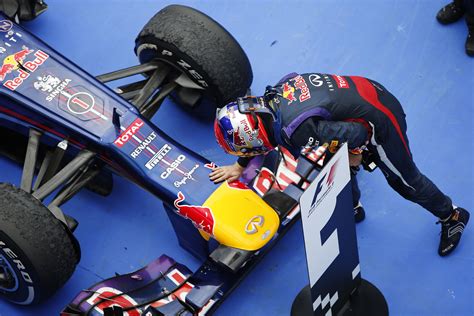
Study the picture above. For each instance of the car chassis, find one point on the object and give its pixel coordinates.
(82, 129)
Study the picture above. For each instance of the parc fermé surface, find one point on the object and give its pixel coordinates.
(420, 61)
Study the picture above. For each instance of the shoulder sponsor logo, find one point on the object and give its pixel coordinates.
(13, 62)
(341, 82)
(316, 80)
(289, 93)
(127, 134)
(300, 84)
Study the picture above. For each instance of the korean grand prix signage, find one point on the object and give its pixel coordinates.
(329, 234)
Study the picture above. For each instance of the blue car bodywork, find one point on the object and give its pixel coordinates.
(43, 91)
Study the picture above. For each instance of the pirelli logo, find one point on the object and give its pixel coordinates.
(158, 157)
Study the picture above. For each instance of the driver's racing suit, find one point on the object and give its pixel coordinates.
(318, 108)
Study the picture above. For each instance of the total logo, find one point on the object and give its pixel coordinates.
(128, 133)
(341, 82)
(15, 62)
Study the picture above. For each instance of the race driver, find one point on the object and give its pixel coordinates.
(313, 109)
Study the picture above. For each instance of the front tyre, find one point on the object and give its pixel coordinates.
(199, 47)
(37, 254)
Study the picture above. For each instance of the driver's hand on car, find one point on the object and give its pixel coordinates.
(229, 173)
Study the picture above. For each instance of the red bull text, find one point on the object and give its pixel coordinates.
(301, 85)
(29, 67)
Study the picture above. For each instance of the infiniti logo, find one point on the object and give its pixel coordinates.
(253, 224)
(315, 80)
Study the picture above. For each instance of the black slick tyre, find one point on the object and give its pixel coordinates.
(199, 47)
(37, 254)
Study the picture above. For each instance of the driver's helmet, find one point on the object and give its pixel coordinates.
(242, 127)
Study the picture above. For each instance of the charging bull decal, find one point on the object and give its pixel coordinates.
(237, 185)
(200, 216)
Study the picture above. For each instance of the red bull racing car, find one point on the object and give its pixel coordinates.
(76, 131)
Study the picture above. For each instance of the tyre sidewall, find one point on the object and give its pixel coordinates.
(38, 247)
(27, 277)
(150, 48)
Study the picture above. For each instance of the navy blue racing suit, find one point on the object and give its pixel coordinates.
(315, 108)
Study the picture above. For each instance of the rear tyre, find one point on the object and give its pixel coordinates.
(199, 47)
(37, 254)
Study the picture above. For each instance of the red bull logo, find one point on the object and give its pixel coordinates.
(239, 140)
(236, 184)
(200, 216)
(289, 93)
(211, 165)
(12, 62)
(301, 85)
(27, 68)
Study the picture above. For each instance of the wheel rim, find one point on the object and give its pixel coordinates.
(8, 278)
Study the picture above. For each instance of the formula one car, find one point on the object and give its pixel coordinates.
(77, 130)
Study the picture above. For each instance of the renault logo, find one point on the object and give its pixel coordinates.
(253, 224)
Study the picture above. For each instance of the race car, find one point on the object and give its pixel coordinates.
(76, 131)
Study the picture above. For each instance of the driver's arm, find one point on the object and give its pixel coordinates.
(334, 133)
